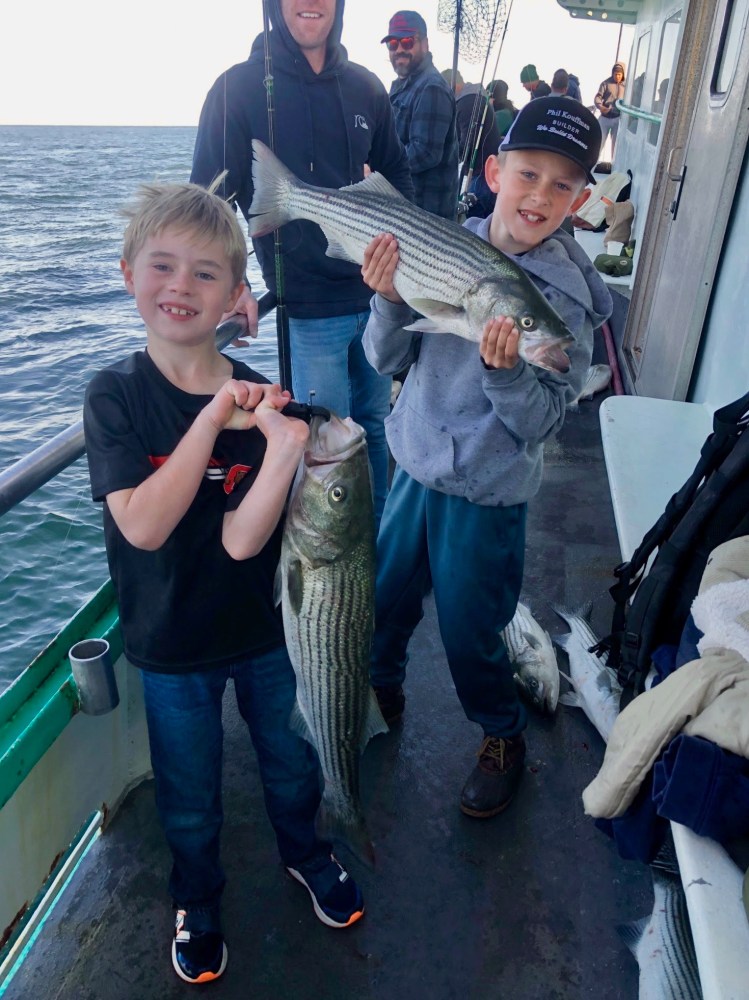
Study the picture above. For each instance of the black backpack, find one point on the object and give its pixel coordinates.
(712, 507)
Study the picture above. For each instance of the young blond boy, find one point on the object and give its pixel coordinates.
(192, 457)
(467, 434)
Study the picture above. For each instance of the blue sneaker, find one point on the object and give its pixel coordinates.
(197, 957)
(337, 899)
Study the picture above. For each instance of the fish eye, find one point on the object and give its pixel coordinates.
(337, 494)
(527, 322)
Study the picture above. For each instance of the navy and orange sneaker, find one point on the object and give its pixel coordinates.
(337, 899)
(197, 957)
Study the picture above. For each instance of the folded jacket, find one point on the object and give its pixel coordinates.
(697, 784)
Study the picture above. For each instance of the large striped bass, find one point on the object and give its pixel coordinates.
(453, 278)
(326, 586)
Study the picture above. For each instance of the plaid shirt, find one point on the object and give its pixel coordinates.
(424, 111)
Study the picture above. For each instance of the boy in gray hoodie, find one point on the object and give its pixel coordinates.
(467, 434)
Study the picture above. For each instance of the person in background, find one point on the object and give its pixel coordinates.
(560, 83)
(611, 90)
(332, 118)
(573, 88)
(192, 459)
(504, 110)
(477, 136)
(469, 460)
(530, 81)
(424, 110)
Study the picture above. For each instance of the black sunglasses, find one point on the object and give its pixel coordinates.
(405, 43)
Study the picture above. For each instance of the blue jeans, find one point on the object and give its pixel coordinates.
(186, 737)
(327, 356)
(608, 126)
(473, 557)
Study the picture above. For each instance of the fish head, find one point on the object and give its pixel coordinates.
(331, 507)
(537, 672)
(544, 336)
(531, 686)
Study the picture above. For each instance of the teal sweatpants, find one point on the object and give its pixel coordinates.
(473, 557)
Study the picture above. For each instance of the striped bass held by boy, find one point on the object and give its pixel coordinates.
(454, 279)
(325, 583)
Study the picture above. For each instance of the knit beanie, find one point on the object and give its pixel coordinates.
(528, 73)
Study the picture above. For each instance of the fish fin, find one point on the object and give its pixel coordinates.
(570, 698)
(272, 183)
(631, 933)
(278, 586)
(531, 639)
(375, 184)
(332, 823)
(374, 723)
(437, 317)
(566, 677)
(294, 585)
(336, 249)
(562, 640)
(298, 724)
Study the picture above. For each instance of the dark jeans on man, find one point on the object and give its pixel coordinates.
(186, 734)
(473, 557)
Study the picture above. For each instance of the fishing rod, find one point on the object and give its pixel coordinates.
(282, 317)
(467, 175)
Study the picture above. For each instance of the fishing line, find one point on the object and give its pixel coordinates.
(282, 319)
(477, 104)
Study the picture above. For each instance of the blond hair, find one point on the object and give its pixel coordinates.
(185, 207)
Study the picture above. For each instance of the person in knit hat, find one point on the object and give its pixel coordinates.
(610, 91)
(531, 83)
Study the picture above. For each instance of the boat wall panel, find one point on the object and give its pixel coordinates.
(91, 766)
(723, 363)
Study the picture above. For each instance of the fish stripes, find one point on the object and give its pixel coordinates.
(452, 278)
(326, 582)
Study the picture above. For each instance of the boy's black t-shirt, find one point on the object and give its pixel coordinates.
(188, 605)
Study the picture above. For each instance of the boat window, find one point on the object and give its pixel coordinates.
(666, 59)
(637, 81)
(734, 27)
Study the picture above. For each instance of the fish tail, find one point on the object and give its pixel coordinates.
(348, 827)
(273, 184)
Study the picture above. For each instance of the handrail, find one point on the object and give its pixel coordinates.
(48, 460)
(647, 116)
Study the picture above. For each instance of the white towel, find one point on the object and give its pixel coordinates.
(722, 613)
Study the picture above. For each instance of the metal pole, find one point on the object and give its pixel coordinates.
(282, 318)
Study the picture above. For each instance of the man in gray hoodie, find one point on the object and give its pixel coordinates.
(467, 433)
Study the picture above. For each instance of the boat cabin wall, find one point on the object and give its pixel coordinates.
(655, 45)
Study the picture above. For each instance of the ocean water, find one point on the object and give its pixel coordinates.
(64, 313)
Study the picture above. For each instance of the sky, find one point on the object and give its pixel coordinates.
(145, 62)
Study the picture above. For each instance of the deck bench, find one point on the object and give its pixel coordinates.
(650, 447)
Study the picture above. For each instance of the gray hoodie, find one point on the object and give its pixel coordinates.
(469, 431)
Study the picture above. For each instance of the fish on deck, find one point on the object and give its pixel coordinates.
(595, 687)
(325, 584)
(454, 279)
(533, 660)
(662, 942)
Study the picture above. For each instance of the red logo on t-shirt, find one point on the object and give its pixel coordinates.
(234, 476)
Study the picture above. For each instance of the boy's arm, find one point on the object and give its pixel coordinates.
(148, 513)
(389, 348)
(248, 528)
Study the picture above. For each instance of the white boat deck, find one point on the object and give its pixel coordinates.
(651, 446)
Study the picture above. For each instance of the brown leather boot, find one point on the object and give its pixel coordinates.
(493, 782)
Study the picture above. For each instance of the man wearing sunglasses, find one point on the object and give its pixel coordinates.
(424, 109)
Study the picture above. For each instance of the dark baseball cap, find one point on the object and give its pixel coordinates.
(405, 23)
(557, 125)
